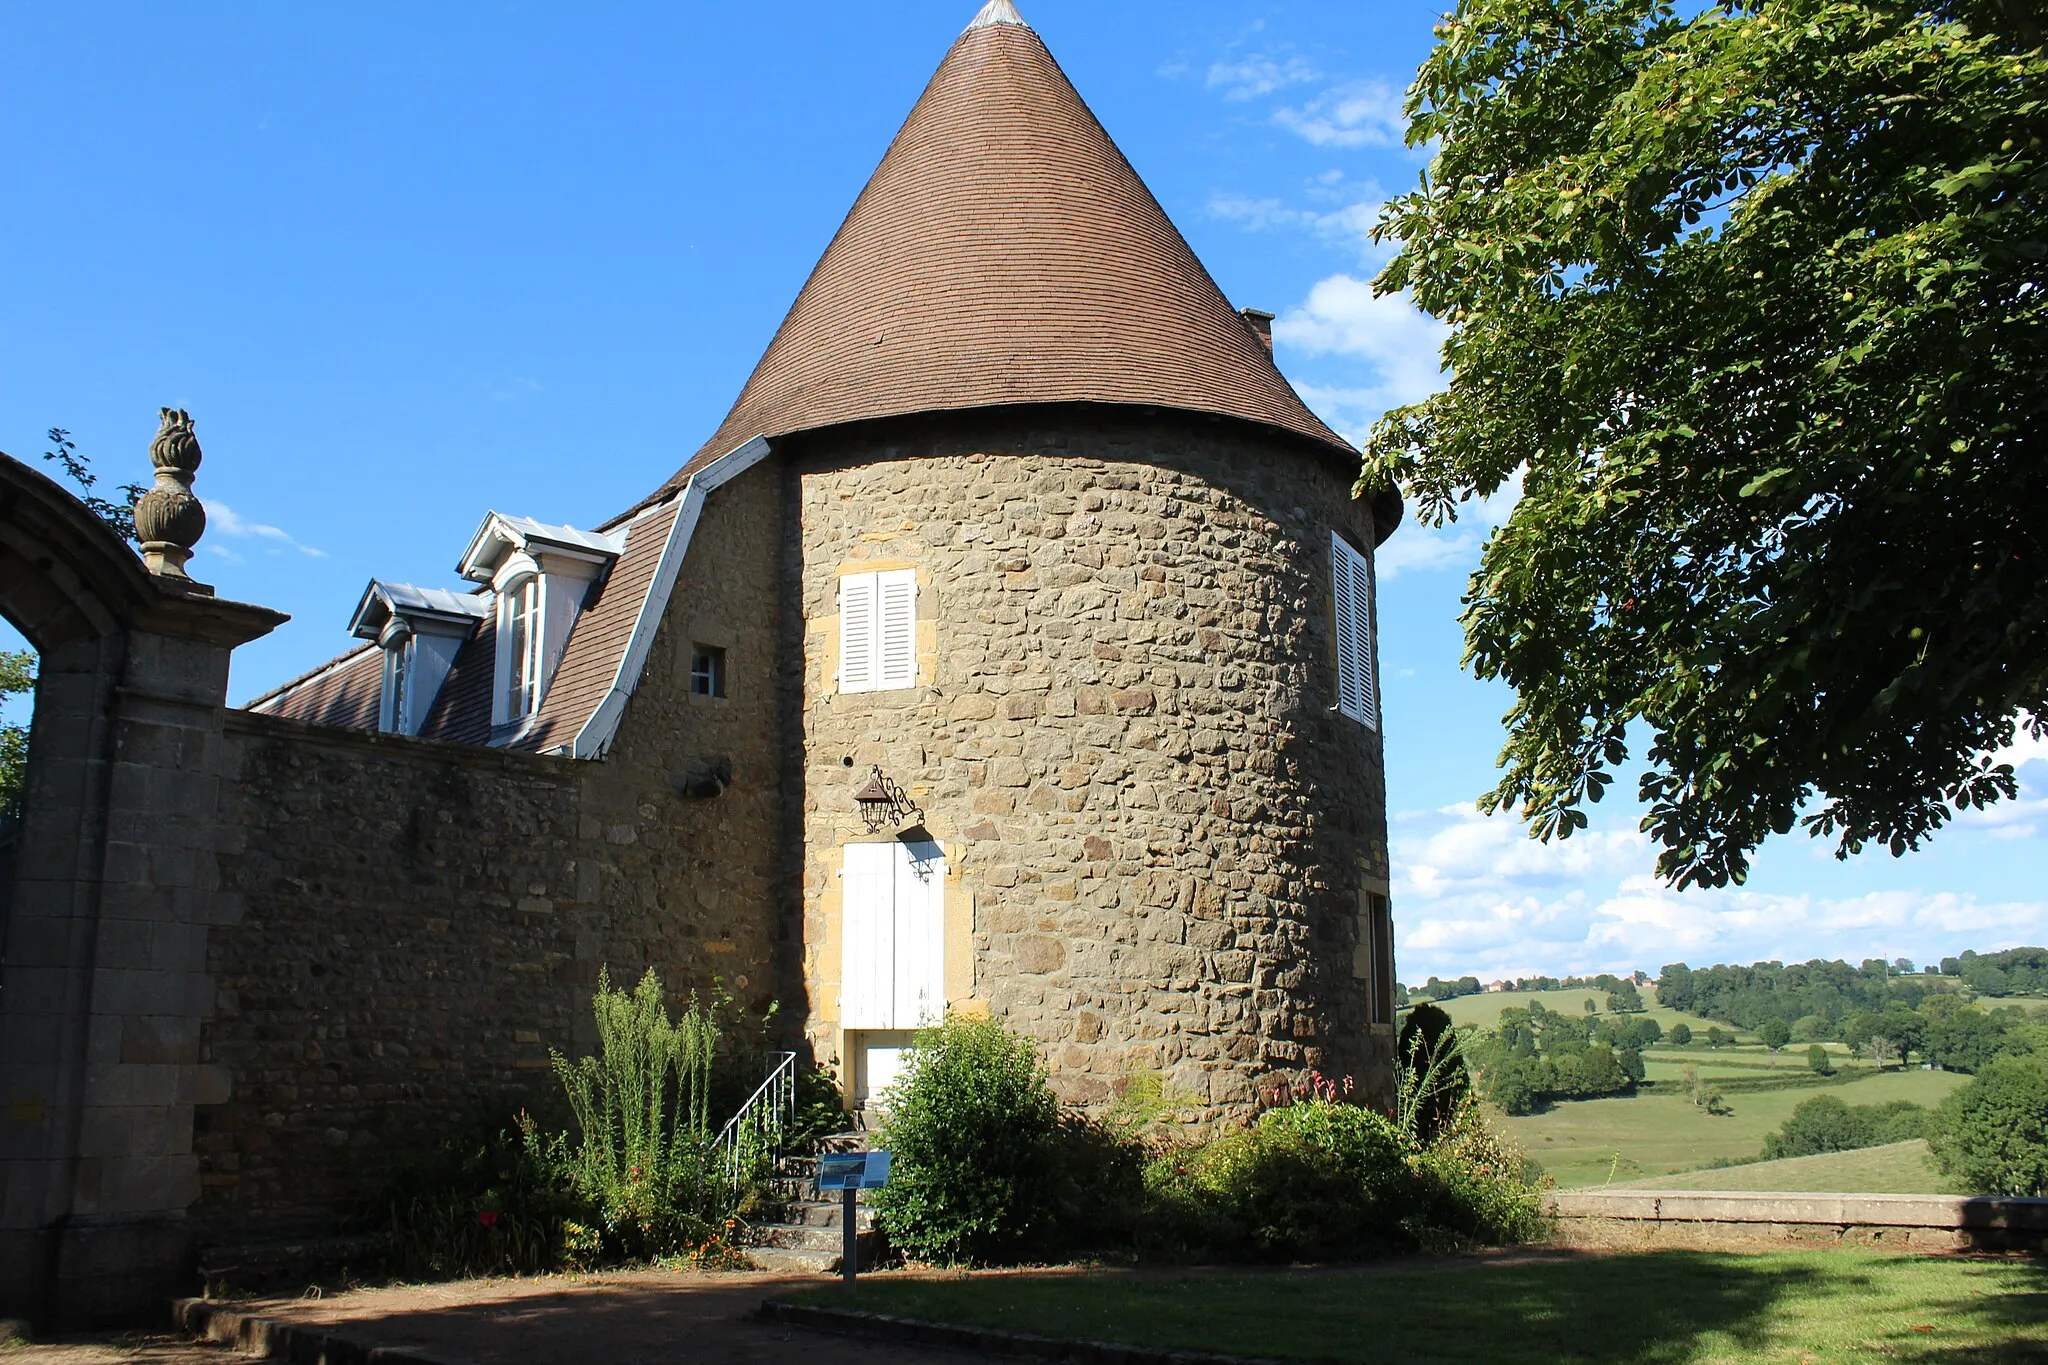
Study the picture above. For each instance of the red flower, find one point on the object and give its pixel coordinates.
(488, 1217)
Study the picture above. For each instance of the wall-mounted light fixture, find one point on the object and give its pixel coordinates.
(882, 802)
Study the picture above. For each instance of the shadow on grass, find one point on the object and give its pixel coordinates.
(1662, 1308)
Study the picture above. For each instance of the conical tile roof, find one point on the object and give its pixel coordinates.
(1005, 252)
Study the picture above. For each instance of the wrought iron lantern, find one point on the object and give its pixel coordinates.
(882, 802)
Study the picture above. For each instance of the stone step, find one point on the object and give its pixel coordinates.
(777, 1238)
(287, 1262)
(816, 1213)
(794, 1262)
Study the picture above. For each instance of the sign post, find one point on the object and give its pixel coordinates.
(849, 1173)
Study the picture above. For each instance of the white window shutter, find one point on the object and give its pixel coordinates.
(896, 629)
(857, 633)
(867, 955)
(1351, 588)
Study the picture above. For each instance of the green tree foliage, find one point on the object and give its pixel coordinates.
(1435, 1070)
(1533, 1055)
(1775, 1033)
(1825, 1124)
(17, 676)
(1817, 1059)
(119, 516)
(1624, 998)
(1825, 992)
(2016, 971)
(976, 1134)
(1681, 1035)
(1992, 1135)
(1750, 297)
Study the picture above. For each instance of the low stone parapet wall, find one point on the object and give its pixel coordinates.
(1920, 1222)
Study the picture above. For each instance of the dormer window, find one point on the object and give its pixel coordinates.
(542, 575)
(519, 649)
(420, 631)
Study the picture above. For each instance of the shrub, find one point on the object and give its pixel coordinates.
(1681, 1035)
(1434, 1083)
(1267, 1193)
(1817, 1059)
(492, 1204)
(976, 1134)
(1775, 1033)
(1825, 1124)
(1472, 1186)
(1992, 1135)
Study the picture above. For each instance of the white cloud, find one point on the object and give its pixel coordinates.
(1474, 894)
(1396, 342)
(222, 518)
(1257, 74)
(1358, 114)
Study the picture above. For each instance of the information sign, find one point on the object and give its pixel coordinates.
(853, 1170)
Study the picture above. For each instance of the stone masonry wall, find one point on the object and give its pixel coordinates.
(1123, 737)
(416, 924)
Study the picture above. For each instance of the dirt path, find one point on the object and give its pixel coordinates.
(647, 1317)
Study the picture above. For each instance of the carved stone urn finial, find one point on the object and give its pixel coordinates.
(168, 519)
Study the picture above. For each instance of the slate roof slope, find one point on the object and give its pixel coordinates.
(604, 628)
(346, 691)
(1005, 252)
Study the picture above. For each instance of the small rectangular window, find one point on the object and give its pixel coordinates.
(521, 650)
(707, 671)
(1373, 959)
(878, 631)
(1351, 590)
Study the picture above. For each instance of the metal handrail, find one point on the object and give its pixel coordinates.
(759, 1124)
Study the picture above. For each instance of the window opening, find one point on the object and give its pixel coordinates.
(707, 670)
(522, 650)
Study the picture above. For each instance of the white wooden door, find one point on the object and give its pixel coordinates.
(892, 962)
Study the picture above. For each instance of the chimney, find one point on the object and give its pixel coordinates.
(1261, 325)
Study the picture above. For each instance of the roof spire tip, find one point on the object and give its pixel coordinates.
(997, 12)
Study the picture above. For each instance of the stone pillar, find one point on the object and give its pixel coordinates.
(103, 978)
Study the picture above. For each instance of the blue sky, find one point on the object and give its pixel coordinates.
(407, 263)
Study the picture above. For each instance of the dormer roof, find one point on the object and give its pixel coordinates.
(1005, 253)
(381, 601)
(500, 536)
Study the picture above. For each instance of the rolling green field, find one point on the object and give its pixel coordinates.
(1667, 1307)
(1898, 1168)
(1589, 1142)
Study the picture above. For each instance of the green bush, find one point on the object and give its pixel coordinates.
(1681, 1035)
(1435, 1082)
(1991, 1136)
(493, 1204)
(1825, 1124)
(975, 1131)
(642, 1108)
(1818, 1061)
(1472, 1186)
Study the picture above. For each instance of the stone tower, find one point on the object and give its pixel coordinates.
(1072, 564)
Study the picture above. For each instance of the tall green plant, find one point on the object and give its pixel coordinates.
(643, 1108)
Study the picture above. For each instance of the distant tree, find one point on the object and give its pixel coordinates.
(1469, 985)
(1716, 1038)
(1624, 998)
(1775, 1032)
(1884, 1052)
(1675, 987)
(1681, 1035)
(1992, 1135)
(17, 676)
(1591, 1008)
(1817, 1058)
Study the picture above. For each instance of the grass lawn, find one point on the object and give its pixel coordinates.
(1484, 1010)
(1670, 1308)
(1656, 1134)
(1897, 1168)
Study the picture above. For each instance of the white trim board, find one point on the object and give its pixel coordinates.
(597, 733)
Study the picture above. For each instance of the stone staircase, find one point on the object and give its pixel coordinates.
(803, 1229)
